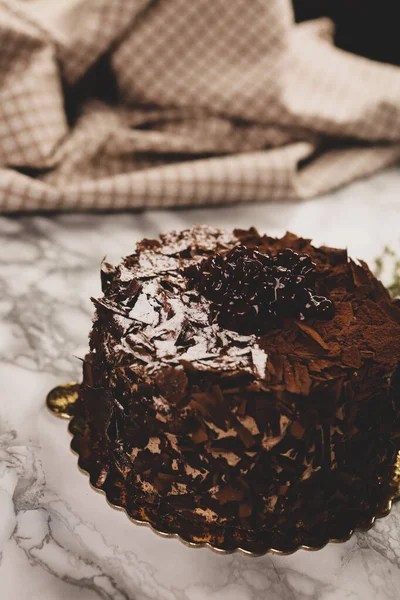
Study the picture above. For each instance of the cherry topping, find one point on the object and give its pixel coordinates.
(250, 291)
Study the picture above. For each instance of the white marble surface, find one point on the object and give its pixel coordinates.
(58, 538)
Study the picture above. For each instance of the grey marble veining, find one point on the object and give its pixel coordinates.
(58, 538)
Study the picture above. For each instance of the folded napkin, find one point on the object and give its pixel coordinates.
(150, 103)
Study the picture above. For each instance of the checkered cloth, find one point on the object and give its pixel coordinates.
(175, 102)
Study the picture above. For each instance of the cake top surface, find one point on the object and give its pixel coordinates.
(154, 321)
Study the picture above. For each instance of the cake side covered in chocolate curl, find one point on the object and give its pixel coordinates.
(199, 422)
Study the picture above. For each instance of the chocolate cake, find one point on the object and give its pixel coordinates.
(241, 383)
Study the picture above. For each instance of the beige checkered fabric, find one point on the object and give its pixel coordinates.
(194, 102)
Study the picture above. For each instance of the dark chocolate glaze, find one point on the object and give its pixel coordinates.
(192, 421)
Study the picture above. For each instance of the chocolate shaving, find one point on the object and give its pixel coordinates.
(109, 305)
(132, 291)
(172, 383)
(107, 273)
(351, 357)
(312, 333)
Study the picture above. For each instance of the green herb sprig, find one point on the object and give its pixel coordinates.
(389, 255)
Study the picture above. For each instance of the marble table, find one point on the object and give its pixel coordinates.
(58, 538)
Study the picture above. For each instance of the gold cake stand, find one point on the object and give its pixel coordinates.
(60, 401)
